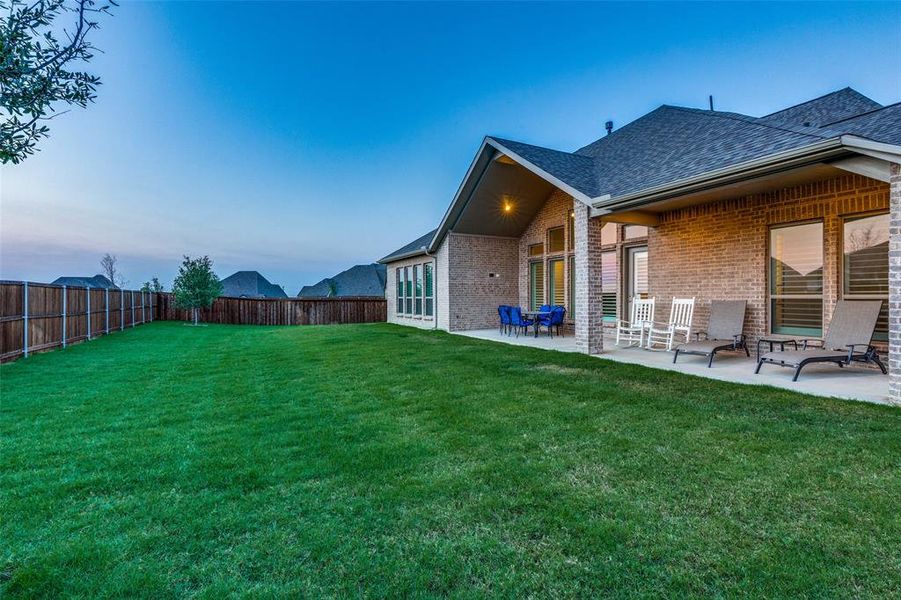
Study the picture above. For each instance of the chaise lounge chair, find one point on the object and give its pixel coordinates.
(847, 340)
(724, 331)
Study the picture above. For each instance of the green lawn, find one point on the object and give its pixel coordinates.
(374, 460)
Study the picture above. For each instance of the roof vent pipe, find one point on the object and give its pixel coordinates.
(609, 127)
(710, 97)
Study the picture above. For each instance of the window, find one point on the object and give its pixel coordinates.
(608, 286)
(556, 291)
(408, 292)
(865, 265)
(555, 240)
(429, 291)
(630, 232)
(417, 294)
(536, 249)
(572, 288)
(536, 285)
(572, 230)
(796, 280)
(398, 276)
(608, 234)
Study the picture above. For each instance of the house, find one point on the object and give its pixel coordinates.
(250, 284)
(97, 281)
(790, 211)
(359, 280)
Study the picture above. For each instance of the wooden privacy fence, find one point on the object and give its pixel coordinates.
(281, 311)
(40, 316)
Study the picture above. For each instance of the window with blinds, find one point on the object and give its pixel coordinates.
(796, 280)
(408, 292)
(556, 289)
(536, 285)
(572, 288)
(640, 274)
(865, 264)
(398, 275)
(417, 293)
(608, 286)
(429, 290)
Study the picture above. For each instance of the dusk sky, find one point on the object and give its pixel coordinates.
(301, 139)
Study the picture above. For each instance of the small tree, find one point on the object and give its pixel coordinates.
(196, 285)
(153, 285)
(109, 265)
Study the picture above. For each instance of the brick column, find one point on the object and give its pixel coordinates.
(894, 290)
(588, 314)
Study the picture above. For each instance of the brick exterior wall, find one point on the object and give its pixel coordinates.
(442, 300)
(483, 273)
(391, 287)
(894, 262)
(554, 213)
(720, 250)
(589, 328)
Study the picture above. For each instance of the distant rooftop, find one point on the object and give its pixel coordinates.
(359, 280)
(250, 284)
(97, 281)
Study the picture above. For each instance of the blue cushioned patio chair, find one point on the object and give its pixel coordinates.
(518, 322)
(503, 312)
(553, 320)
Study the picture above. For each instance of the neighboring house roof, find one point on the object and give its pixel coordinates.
(414, 248)
(97, 281)
(673, 146)
(359, 280)
(250, 284)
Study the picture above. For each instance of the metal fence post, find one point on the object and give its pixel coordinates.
(132, 308)
(121, 309)
(88, 295)
(64, 316)
(25, 318)
(107, 311)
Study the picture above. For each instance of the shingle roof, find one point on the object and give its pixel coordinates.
(250, 284)
(417, 246)
(673, 143)
(359, 280)
(97, 281)
(834, 106)
(881, 125)
(574, 169)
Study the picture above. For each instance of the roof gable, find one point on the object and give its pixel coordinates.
(250, 284)
(359, 280)
(832, 107)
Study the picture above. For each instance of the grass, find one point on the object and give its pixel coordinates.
(376, 460)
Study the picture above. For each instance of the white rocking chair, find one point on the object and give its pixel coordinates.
(640, 320)
(680, 317)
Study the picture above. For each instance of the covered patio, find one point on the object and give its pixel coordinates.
(826, 380)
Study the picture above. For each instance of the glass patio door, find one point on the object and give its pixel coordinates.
(637, 275)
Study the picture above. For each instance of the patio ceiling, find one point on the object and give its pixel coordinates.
(503, 201)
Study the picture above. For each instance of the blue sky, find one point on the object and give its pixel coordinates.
(300, 139)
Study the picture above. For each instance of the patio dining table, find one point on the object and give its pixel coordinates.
(534, 314)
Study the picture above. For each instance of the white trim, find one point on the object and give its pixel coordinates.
(541, 172)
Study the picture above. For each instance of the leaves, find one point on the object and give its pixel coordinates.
(196, 285)
(36, 59)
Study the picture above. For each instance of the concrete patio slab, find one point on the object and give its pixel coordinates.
(851, 383)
